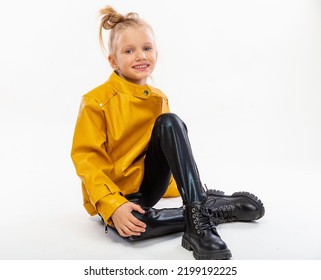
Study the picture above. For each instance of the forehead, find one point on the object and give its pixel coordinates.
(134, 36)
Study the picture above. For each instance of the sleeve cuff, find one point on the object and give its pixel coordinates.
(108, 204)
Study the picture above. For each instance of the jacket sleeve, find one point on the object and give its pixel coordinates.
(91, 160)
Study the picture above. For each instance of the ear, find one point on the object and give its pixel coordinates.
(112, 61)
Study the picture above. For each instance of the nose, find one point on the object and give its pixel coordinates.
(141, 55)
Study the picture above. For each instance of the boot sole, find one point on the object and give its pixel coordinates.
(249, 195)
(219, 255)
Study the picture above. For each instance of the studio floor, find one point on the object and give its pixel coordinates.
(43, 218)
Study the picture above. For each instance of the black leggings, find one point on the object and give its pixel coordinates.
(170, 152)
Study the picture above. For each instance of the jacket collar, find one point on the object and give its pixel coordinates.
(123, 86)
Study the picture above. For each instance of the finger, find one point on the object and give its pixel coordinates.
(122, 233)
(137, 222)
(137, 226)
(138, 208)
(127, 231)
(133, 225)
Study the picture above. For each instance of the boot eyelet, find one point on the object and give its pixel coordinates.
(193, 210)
(194, 221)
(196, 226)
(194, 216)
(198, 231)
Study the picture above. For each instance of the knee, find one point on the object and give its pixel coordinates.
(170, 120)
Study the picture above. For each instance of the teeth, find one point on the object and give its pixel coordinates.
(140, 66)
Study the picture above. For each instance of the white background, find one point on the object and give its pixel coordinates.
(245, 76)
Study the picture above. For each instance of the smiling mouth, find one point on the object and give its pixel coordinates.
(141, 67)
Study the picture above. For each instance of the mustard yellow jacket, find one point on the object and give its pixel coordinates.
(111, 136)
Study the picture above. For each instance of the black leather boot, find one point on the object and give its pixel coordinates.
(160, 222)
(240, 206)
(200, 235)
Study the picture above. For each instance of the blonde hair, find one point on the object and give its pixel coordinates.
(115, 22)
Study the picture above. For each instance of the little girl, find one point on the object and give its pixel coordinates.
(130, 151)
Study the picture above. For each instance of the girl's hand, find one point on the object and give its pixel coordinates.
(125, 222)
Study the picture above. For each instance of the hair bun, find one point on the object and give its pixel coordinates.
(110, 18)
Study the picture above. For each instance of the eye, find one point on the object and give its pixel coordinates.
(129, 51)
(148, 48)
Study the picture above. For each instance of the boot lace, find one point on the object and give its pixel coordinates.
(204, 220)
(223, 213)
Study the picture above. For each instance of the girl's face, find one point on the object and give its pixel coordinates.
(135, 54)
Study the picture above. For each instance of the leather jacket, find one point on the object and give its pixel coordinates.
(111, 136)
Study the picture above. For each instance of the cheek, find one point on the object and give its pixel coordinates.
(154, 56)
(124, 61)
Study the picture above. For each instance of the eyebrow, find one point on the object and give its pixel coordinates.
(133, 46)
(127, 46)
